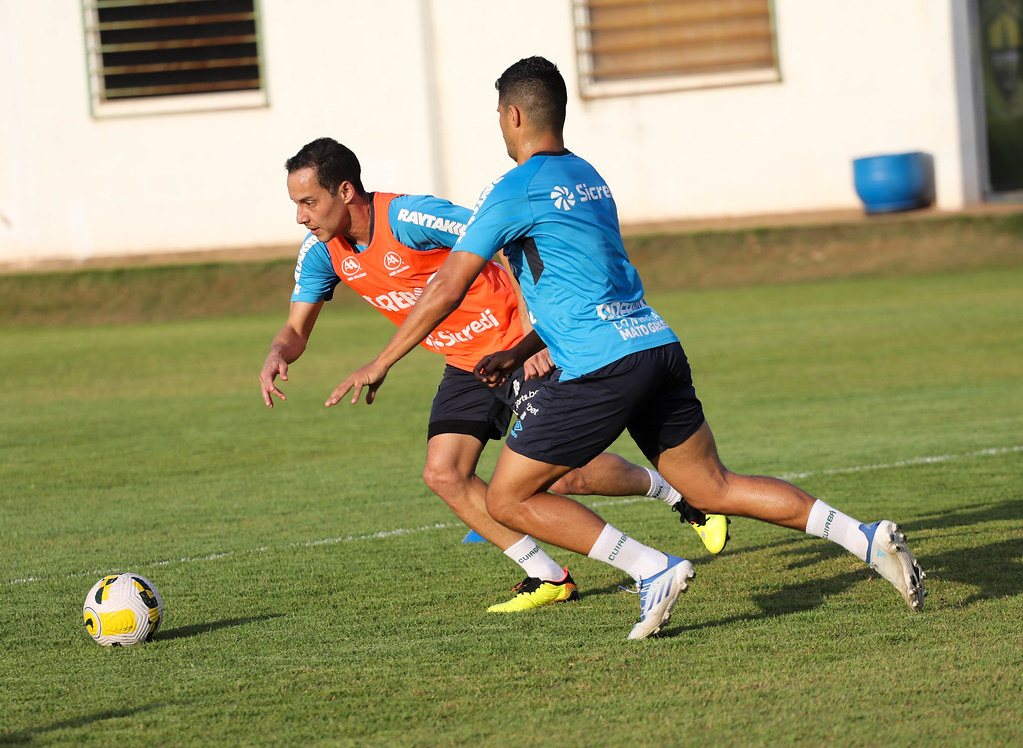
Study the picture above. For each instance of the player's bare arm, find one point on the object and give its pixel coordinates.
(527, 326)
(288, 344)
(539, 364)
(442, 296)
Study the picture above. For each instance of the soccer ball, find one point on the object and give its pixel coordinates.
(123, 609)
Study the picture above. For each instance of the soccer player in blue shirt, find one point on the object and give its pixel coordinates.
(622, 366)
(385, 247)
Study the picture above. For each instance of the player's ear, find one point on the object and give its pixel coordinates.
(514, 115)
(347, 191)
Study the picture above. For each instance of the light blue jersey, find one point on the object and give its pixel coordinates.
(422, 222)
(557, 220)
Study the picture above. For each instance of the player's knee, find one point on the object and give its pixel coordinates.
(444, 480)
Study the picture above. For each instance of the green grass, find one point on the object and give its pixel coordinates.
(317, 593)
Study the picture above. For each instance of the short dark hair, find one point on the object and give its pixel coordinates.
(535, 85)
(333, 162)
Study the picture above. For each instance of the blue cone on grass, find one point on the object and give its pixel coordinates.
(474, 537)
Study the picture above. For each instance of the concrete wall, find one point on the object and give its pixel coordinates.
(408, 84)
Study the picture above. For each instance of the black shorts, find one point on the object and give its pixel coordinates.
(464, 405)
(650, 393)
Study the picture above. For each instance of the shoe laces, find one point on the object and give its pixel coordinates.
(636, 589)
(527, 585)
(689, 514)
(642, 597)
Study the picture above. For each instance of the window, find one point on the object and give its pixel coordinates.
(642, 46)
(172, 55)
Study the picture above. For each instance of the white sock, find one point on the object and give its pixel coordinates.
(622, 552)
(659, 489)
(829, 523)
(534, 560)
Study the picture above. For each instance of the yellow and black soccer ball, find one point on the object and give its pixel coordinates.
(123, 609)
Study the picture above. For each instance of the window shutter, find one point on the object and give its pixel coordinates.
(160, 48)
(678, 43)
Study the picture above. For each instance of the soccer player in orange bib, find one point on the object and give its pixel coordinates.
(387, 247)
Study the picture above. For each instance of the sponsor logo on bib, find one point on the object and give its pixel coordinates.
(350, 266)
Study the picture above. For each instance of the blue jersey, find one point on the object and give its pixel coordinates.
(558, 223)
(422, 222)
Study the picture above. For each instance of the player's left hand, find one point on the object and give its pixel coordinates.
(370, 376)
(538, 365)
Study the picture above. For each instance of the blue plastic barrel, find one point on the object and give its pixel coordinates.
(892, 182)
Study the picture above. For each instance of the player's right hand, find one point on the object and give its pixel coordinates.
(495, 367)
(273, 367)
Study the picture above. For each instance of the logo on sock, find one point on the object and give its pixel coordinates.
(536, 549)
(827, 523)
(618, 547)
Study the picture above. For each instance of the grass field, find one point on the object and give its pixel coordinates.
(316, 592)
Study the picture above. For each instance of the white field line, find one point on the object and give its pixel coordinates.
(993, 451)
(990, 452)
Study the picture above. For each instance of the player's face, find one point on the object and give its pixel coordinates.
(325, 215)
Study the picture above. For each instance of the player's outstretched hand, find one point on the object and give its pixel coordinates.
(273, 367)
(370, 376)
(495, 367)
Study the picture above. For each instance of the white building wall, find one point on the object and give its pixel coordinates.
(858, 78)
(409, 85)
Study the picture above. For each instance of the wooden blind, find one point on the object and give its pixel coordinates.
(635, 39)
(145, 48)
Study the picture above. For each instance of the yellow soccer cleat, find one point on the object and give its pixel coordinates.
(532, 593)
(712, 528)
(713, 532)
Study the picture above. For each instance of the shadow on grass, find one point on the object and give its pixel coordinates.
(25, 737)
(203, 628)
(995, 568)
(969, 515)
